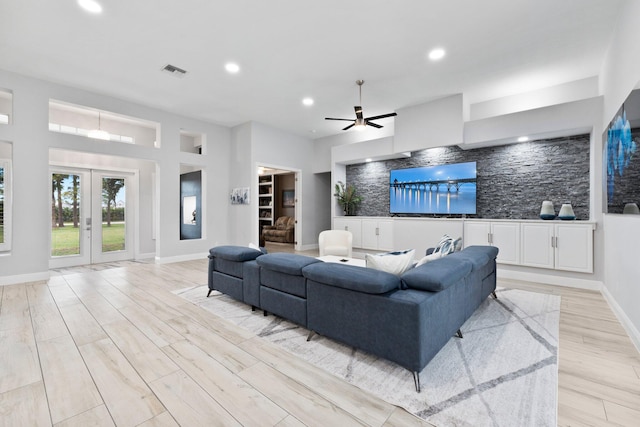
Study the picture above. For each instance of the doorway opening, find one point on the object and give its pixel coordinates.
(279, 208)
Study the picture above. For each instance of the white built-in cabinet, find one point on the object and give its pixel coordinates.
(377, 234)
(558, 245)
(354, 225)
(503, 235)
(561, 246)
(370, 233)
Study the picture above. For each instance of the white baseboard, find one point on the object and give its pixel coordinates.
(24, 278)
(633, 332)
(180, 258)
(571, 282)
(149, 255)
(309, 247)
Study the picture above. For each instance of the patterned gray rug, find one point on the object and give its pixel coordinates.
(502, 373)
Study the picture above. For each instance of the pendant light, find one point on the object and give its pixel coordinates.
(99, 133)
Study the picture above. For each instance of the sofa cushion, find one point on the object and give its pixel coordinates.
(437, 275)
(391, 262)
(235, 253)
(286, 263)
(352, 277)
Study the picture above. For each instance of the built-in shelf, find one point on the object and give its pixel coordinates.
(265, 200)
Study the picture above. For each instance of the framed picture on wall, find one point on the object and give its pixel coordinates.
(288, 198)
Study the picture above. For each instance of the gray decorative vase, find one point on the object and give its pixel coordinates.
(566, 212)
(547, 211)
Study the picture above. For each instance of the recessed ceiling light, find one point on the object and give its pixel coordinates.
(368, 160)
(523, 139)
(436, 54)
(232, 67)
(307, 101)
(90, 6)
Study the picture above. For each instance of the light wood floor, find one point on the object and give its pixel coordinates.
(111, 345)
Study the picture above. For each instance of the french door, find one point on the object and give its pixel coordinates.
(91, 217)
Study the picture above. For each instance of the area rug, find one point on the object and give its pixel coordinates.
(502, 373)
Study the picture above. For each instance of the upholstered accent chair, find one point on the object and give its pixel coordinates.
(283, 231)
(335, 242)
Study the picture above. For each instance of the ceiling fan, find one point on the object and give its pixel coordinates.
(360, 121)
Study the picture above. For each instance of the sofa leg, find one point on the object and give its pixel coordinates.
(493, 294)
(416, 380)
(265, 313)
(459, 333)
(311, 334)
(209, 293)
(253, 308)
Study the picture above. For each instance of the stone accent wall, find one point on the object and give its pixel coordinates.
(513, 180)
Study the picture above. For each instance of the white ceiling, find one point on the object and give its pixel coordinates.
(290, 49)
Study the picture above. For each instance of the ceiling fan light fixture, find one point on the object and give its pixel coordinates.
(360, 122)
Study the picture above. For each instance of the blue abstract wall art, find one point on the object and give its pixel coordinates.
(620, 149)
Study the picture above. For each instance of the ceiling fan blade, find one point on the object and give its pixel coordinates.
(350, 126)
(358, 111)
(375, 125)
(381, 116)
(344, 120)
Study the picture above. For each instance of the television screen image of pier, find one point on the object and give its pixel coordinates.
(444, 189)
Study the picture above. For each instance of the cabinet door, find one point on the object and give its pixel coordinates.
(350, 224)
(536, 245)
(574, 247)
(385, 236)
(506, 237)
(476, 233)
(369, 234)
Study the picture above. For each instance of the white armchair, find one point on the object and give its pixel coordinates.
(335, 242)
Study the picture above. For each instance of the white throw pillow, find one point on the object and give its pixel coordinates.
(427, 258)
(391, 262)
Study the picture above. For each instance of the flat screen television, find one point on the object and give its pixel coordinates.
(441, 190)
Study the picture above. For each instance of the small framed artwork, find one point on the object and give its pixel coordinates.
(288, 198)
(240, 196)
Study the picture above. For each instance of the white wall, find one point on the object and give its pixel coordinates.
(242, 230)
(620, 75)
(273, 147)
(558, 94)
(432, 124)
(31, 142)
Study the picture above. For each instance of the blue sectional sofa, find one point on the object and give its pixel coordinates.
(406, 319)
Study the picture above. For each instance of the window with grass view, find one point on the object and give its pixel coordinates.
(5, 204)
(2, 203)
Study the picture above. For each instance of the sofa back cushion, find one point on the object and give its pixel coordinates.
(352, 277)
(284, 222)
(235, 253)
(436, 275)
(286, 263)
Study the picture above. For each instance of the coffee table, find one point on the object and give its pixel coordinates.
(343, 260)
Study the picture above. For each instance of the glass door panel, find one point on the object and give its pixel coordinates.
(113, 214)
(70, 221)
(113, 231)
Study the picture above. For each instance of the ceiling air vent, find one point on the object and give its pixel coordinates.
(174, 71)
